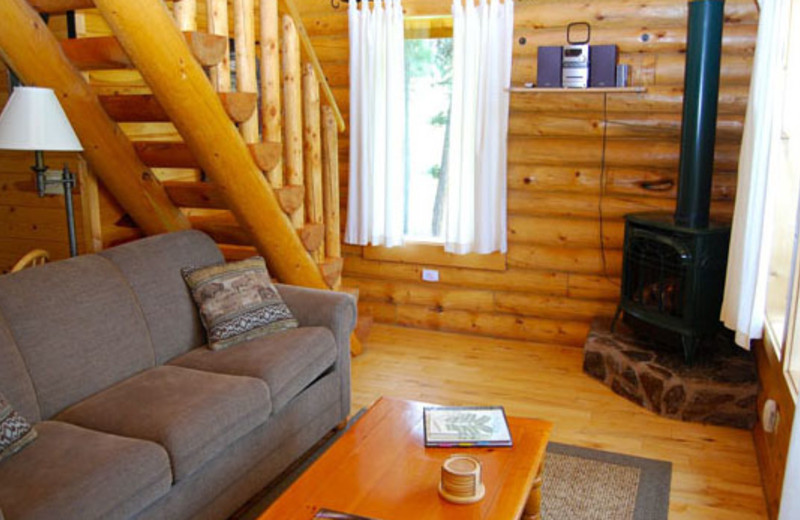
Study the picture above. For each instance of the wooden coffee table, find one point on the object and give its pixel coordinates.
(380, 468)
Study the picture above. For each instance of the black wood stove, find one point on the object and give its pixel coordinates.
(674, 266)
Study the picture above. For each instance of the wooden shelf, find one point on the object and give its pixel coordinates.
(599, 90)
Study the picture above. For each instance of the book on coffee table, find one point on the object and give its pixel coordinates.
(338, 515)
(465, 426)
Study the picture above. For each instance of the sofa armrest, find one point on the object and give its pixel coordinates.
(318, 308)
(334, 310)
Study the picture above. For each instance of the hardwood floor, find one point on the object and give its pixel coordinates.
(714, 470)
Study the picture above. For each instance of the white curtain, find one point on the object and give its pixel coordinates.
(376, 199)
(475, 217)
(744, 302)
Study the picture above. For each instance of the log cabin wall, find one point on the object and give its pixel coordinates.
(577, 163)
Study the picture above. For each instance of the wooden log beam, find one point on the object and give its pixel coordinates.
(271, 129)
(312, 154)
(293, 112)
(36, 57)
(217, 20)
(185, 93)
(633, 38)
(105, 52)
(330, 183)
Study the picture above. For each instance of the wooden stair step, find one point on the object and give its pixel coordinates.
(176, 154)
(145, 107)
(60, 6)
(206, 195)
(312, 236)
(105, 52)
(195, 194)
(221, 227)
(331, 269)
(234, 252)
(267, 154)
(290, 197)
(165, 154)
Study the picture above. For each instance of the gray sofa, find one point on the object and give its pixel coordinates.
(135, 417)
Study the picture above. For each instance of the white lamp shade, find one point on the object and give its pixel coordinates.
(34, 120)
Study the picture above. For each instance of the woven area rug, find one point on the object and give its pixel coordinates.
(579, 484)
(586, 484)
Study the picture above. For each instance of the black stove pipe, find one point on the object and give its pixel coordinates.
(699, 126)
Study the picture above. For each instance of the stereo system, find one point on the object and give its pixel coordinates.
(578, 64)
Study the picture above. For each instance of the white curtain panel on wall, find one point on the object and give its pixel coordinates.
(744, 301)
(376, 199)
(475, 220)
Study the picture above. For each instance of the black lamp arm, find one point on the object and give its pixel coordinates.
(67, 180)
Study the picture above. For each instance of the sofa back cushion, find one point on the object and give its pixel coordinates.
(78, 327)
(15, 382)
(153, 269)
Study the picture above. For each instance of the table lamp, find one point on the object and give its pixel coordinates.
(34, 120)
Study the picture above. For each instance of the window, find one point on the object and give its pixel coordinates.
(783, 288)
(428, 64)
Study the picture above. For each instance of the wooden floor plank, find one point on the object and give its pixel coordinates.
(715, 473)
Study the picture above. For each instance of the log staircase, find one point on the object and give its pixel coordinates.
(270, 189)
(262, 155)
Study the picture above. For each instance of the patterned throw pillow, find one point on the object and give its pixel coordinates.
(237, 302)
(15, 431)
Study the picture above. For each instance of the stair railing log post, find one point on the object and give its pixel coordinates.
(271, 82)
(217, 19)
(185, 14)
(313, 154)
(330, 183)
(293, 112)
(246, 81)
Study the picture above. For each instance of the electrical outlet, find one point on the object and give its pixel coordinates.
(430, 275)
(770, 416)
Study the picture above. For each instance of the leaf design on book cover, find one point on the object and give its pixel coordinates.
(469, 425)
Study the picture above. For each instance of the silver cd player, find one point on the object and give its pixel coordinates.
(575, 66)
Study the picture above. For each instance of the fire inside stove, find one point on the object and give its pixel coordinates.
(658, 274)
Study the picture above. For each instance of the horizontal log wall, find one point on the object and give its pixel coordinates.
(568, 187)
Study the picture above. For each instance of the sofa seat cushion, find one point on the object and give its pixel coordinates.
(72, 472)
(194, 415)
(287, 361)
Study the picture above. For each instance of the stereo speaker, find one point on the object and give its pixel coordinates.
(548, 67)
(602, 65)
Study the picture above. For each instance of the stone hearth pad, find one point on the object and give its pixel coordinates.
(720, 388)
